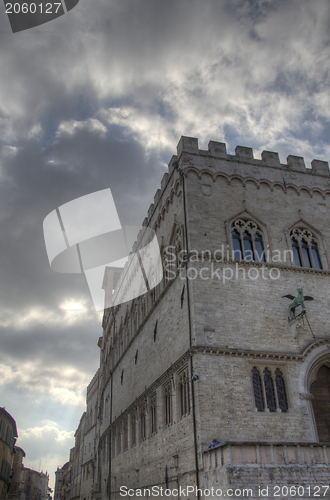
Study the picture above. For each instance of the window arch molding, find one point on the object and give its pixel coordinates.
(259, 227)
(308, 374)
(268, 396)
(315, 235)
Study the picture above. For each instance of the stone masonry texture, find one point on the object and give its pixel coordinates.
(213, 319)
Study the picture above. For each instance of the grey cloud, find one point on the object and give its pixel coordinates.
(99, 98)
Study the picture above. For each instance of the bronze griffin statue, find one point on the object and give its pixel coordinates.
(297, 301)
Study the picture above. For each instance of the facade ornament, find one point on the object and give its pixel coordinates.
(306, 395)
(210, 335)
(297, 301)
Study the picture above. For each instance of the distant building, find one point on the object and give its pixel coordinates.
(58, 483)
(16, 481)
(76, 459)
(44, 479)
(61, 482)
(30, 484)
(8, 435)
(64, 490)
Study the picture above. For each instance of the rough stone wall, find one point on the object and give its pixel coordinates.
(238, 306)
(154, 357)
(236, 324)
(76, 473)
(90, 443)
(267, 471)
(225, 401)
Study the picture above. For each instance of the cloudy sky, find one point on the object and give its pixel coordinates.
(99, 98)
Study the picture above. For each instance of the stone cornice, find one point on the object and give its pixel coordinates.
(262, 354)
(253, 263)
(258, 182)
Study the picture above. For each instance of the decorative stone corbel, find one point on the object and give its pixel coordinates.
(306, 395)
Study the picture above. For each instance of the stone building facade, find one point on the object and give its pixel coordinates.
(16, 480)
(8, 436)
(30, 484)
(62, 482)
(203, 381)
(75, 462)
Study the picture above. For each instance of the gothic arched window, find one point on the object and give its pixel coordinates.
(281, 392)
(268, 395)
(257, 388)
(153, 414)
(142, 422)
(119, 440)
(237, 247)
(305, 248)
(184, 394)
(269, 390)
(125, 434)
(168, 403)
(247, 241)
(133, 428)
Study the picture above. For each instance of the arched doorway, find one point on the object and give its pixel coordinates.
(320, 389)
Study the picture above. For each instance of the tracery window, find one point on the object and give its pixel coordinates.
(153, 414)
(168, 403)
(125, 435)
(257, 388)
(114, 441)
(119, 440)
(269, 390)
(184, 394)
(305, 248)
(142, 422)
(281, 392)
(133, 429)
(247, 241)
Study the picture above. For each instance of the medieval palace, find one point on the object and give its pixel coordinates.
(217, 380)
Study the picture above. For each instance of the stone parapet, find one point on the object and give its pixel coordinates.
(245, 154)
(264, 470)
(266, 454)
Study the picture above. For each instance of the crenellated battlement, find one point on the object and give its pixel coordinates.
(245, 154)
(216, 161)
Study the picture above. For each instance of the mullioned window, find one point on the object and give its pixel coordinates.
(269, 390)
